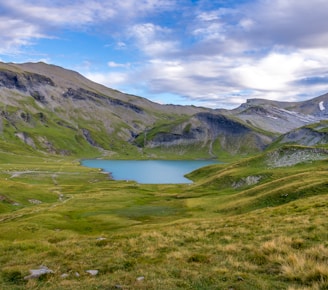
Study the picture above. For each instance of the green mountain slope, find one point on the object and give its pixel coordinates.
(58, 111)
(246, 225)
(52, 110)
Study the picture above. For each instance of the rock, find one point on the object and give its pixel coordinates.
(65, 275)
(141, 278)
(239, 278)
(25, 138)
(34, 201)
(92, 272)
(101, 239)
(77, 274)
(246, 181)
(36, 273)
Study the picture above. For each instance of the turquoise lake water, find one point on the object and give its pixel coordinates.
(149, 171)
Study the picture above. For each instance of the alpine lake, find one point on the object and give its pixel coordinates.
(149, 171)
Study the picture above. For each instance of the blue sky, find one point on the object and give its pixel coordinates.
(213, 53)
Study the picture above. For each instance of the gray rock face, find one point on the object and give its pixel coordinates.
(247, 181)
(292, 156)
(205, 128)
(23, 82)
(306, 137)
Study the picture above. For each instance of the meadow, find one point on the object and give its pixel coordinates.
(240, 225)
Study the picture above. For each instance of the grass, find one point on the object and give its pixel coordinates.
(208, 235)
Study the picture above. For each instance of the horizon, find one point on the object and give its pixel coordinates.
(214, 54)
(169, 104)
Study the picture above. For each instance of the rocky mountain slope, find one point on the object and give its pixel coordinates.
(282, 117)
(309, 135)
(45, 108)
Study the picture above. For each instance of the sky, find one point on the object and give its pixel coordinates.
(211, 53)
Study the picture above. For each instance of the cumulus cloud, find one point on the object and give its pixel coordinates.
(262, 49)
(295, 23)
(16, 33)
(37, 19)
(201, 51)
(152, 39)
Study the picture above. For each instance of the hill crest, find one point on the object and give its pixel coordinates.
(55, 110)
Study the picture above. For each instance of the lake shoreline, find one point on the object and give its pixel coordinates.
(148, 171)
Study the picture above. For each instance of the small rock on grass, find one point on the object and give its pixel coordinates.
(92, 272)
(36, 273)
(141, 278)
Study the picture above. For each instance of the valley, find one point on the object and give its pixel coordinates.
(257, 221)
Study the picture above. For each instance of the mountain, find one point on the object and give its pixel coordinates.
(53, 110)
(59, 111)
(309, 135)
(281, 117)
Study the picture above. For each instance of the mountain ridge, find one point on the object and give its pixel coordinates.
(59, 111)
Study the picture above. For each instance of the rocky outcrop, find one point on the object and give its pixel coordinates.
(23, 81)
(83, 95)
(205, 128)
(220, 124)
(89, 138)
(290, 156)
(246, 181)
(305, 136)
(24, 137)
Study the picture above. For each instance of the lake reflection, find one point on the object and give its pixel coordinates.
(149, 171)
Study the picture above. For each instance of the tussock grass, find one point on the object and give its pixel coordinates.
(208, 235)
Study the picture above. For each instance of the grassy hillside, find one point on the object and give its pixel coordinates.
(244, 225)
(255, 222)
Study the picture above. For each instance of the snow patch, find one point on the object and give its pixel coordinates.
(321, 106)
(271, 117)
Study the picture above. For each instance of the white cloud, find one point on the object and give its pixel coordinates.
(268, 49)
(114, 64)
(265, 51)
(39, 19)
(273, 72)
(121, 45)
(76, 13)
(153, 39)
(112, 79)
(298, 23)
(208, 16)
(16, 33)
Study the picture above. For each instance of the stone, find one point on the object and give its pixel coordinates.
(92, 272)
(141, 278)
(36, 273)
(34, 201)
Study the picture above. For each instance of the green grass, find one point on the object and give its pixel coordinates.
(217, 233)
